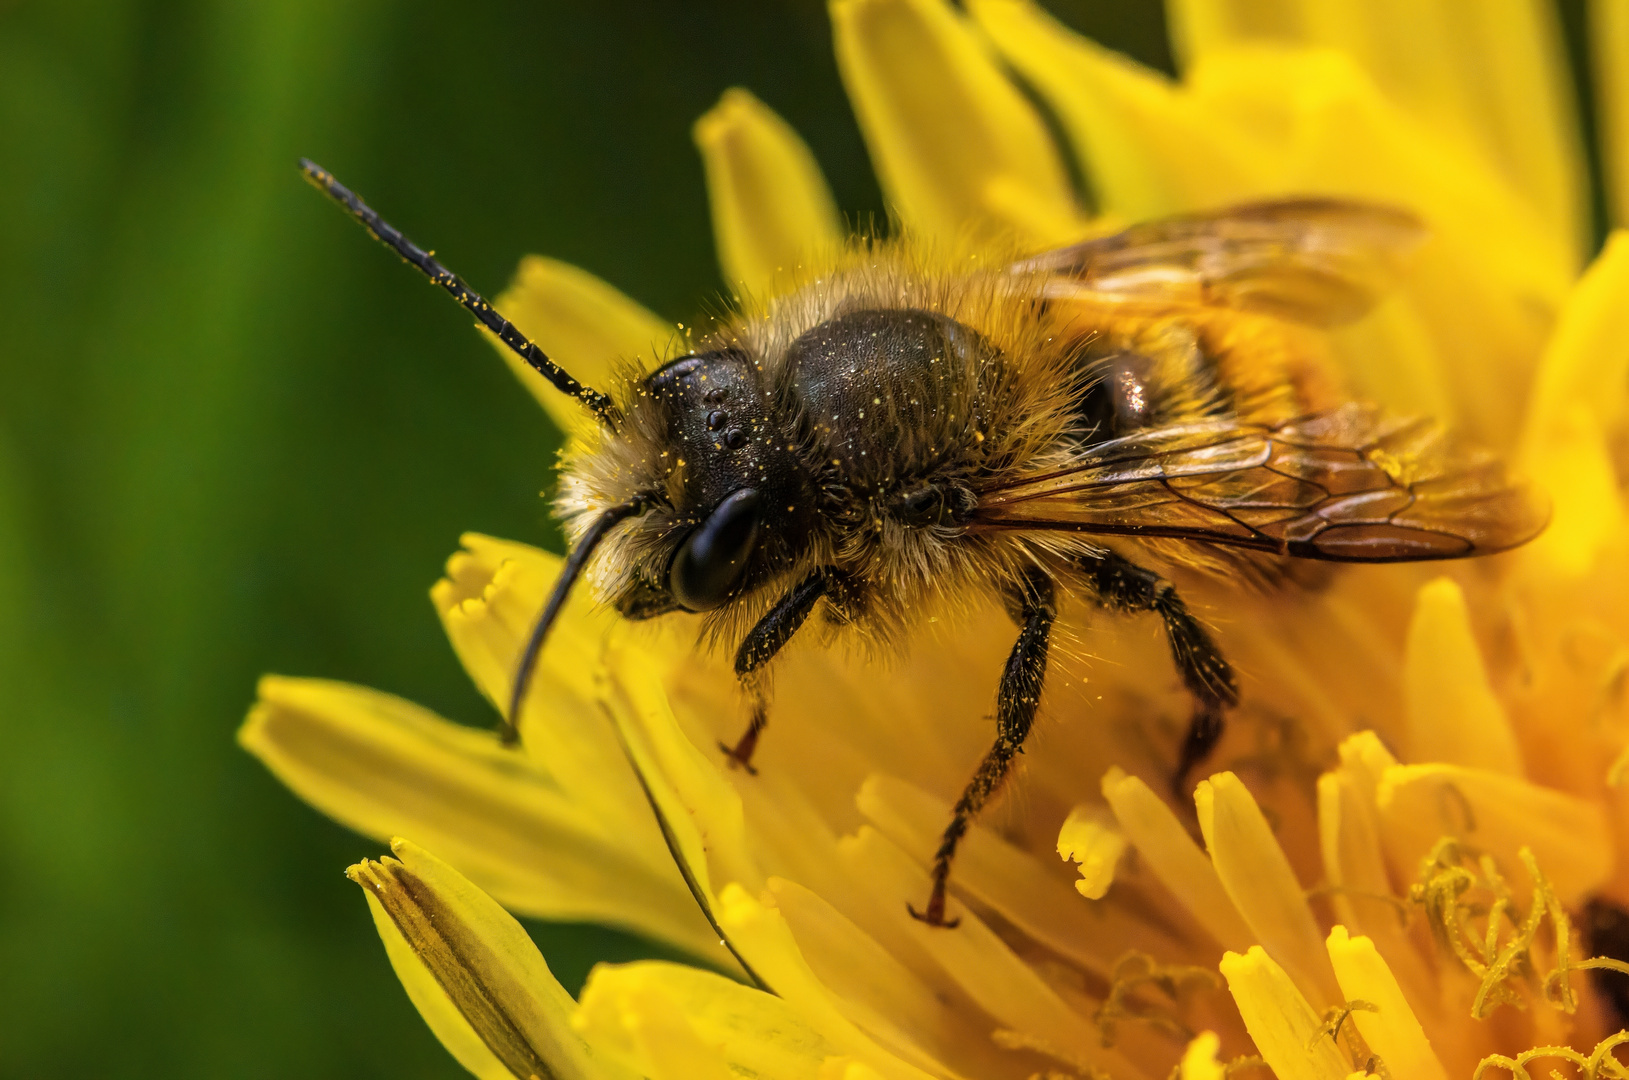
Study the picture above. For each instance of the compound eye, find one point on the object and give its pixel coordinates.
(709, 564)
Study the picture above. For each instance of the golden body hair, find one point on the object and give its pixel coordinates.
(1014, 412)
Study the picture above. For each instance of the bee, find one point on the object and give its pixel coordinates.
(900, 429)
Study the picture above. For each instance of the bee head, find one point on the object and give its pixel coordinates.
(730, 501)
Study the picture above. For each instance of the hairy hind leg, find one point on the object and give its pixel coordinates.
(1021, 680)
(1122, 585)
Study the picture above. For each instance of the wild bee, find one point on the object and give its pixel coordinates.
(900, 428)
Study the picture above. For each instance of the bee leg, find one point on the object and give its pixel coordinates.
(763, 641)
(1034, 610)
(1121, 585)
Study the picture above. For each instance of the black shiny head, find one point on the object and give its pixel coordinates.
(739, 488)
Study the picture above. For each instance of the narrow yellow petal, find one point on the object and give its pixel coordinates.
(1095, 846)
(1609, 41)
(979, 963)
(483, 964)
(638, 1020)
(1587, 511)
(1569, 836)
(1391, 1030)
(1199, 1059)
(904, 1010)
(1587, 359)
(1489, 76)
(584, 324)
(1148, 150)
(958, 150)
(384, 766)
(1283, 1026)
(763, 935)
(440, 1014)
(1257, 876)
(1174, 858)
(1453, 715)
(843, 1068)
(1011, 881)
(1579, 394)
(771, 206)
(1354, 862)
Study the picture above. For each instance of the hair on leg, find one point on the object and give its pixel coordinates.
(1122, 585)
(1034, 609)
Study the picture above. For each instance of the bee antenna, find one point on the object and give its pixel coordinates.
(473, 302)
(557, 600)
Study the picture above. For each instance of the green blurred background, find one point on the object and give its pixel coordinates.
(236, 437)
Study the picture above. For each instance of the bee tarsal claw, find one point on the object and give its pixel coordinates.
(737, 759)
(935, 915)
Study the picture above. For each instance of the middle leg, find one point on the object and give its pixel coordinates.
(1122, 585)
(1034, 609)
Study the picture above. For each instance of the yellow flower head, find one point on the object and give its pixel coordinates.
(1418, 823)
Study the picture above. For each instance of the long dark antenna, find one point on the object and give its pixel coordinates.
(473, 302)
(557, 600)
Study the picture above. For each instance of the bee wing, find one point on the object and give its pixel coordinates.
(1351, 485)
(1315, 261)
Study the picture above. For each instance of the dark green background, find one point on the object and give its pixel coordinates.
(236, 437)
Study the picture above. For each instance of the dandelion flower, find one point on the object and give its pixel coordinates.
(1414, 841)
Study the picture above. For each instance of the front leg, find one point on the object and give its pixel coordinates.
(766, 639)
(1121, 585)
(1034, 609)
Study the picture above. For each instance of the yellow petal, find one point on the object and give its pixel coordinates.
(1173, 857)
(1257, 876)
(1391, 1030)
(488, 601)
(980, 964)
(1587, 359)
(765, 937)
(1148, 150)
(1009, 880)
(907, 1012)
(1579, 395)
(1095, 846)
(1281, 1023)
(1199, 1059)
(771, 206)
(1453, 715)
(384, 766)
(1498, 814)
(957, 149)
(464, 956)
(1587, 512)
(1609, 41)
(584, 324)
(1354, 863)
(1489, 76)
(638, 1020)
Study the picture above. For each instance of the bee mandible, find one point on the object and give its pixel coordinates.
(905, 427)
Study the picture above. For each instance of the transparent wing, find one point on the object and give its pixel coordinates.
(1315, 261)
(1351, 485)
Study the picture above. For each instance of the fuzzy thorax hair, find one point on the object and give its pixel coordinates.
(994, 405)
